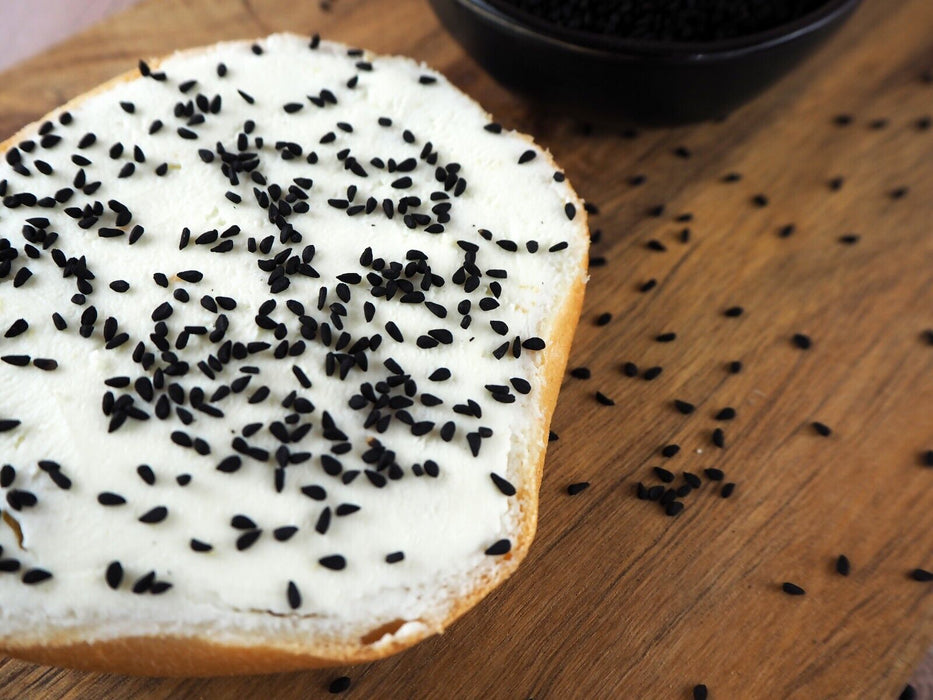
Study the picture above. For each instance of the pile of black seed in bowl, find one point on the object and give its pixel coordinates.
(665, 20)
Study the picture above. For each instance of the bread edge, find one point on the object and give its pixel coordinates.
(197, 656)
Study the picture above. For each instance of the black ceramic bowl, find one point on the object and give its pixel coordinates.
(611, 80)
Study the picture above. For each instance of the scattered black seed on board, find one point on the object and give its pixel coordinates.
(792, 588)
(921, 575)
(663, 474)
(926, 458)
(700, 692)
(734, 367)
(656, 245)
(666, 337)
(760, 200)
(849, 239)
(652, 373)
(673, 508)
(630, 369)
(670, 450)
(842, 565)
(719, 438)
(580, 373)
(908, 693)
(727, 413)
(604, 400)
(693, 481)
(684, 407)
(727, 489)
(733, 312)
(821, 429)
(603, 319)
(842, 119)
(648, 286)
(339, 685)
(578, 487)
(802, 341)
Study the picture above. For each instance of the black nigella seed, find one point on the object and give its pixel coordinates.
(294, 596)
(926, 458)
(334, 562)
(842, 119)
(734, 367)
(921, 575)
(670, 450)
(842, 565)
(802, 341)
(114, 574)
(849, 239)
(727, 490)
(719, 438)
(503, 485)
(673, 508)
(663, 474)
(339, 685)
(733, 311)
(578, 487)
(394, 557)
(34, 576)
(648, 286)
(603, 319)
(821, 428)
(727, 413)
(652, 373)
(498, 548)
(107, 498)
(684, 407)
(630, 369)
(526, 157)
(714, 474)
(580, 373)
(247, 539)
(199, 546)
(666, 337)
(787, 230)
(760, 200)
(604, 400)
(156, 515)
(16, 328)
(792, 588)
(700, 692)
(908, 693)
(570, 210)
(656, 245)
(692, 480)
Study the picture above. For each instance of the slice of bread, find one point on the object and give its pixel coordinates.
(283, 327)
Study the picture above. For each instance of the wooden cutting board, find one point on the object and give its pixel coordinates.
(616, 599)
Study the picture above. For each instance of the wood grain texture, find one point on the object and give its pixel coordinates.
(615, 599)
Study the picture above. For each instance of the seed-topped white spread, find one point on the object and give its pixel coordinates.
(271, 323)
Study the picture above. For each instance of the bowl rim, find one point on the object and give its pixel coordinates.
(523, 23)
